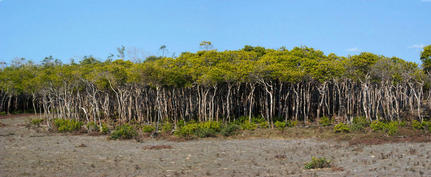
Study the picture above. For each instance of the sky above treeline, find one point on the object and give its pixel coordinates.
(67, 29)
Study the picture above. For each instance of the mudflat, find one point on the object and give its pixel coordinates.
(28, 152)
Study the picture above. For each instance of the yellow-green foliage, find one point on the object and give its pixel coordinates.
(229, 130)
(359, 123)
(341, 127)
(318, 163)
(67, 125)
(377, 125)
(248, 125)
(148, 128)
(201, 129)
(124, 131)
(92, 126)
(280, 125)
(167, 127)
(325, 121)
(36, 121)
(417, 125)
(390, 128)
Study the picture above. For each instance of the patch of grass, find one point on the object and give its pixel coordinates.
(325, 121)
(36, 122)
(3, 113)
(124, 131)
(316, 163)
(67, 125)
(341, 128)
(248, 125)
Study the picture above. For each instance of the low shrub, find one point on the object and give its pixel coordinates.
(291, 123)
(167, 128)
(377, 125)
(391, 128)
(180, 123)
(92, 126)
(229, 130)
(318, 163)
(248, 125)
(417, 125)
(325, 121)
(36, 121)
(359, 123)
(67, 125)
(124, 131)
(148, 128)
(201, 129)
(341, 128)
(280, 125)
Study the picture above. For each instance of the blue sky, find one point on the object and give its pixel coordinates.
(69, 29)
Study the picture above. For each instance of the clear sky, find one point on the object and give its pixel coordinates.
(74, 28)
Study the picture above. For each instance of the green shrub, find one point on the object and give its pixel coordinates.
(280, 125)
(341, 128)
(417, 125)
(391, 128)
(92, 126)
(124, 131)
(318, 163)
(36, 121)
(291, 123)
(3, 113)
(377, 125)
(167, 128)
(248, 125)
(201, 129)
(325, 121)
(263, 124)
(104, 128)
(148, 128)
(229, 130)
(180, 123)
(359, 123)
(67, 125)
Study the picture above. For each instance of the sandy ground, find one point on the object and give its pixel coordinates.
(27, 152)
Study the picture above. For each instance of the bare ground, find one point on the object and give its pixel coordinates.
(28, 152)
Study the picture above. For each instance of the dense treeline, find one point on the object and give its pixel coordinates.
(298, 84)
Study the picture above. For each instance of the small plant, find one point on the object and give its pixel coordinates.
(359, 123)
(148, 128)
(180, 123)
(167, 128)
(36, 122)
(201, 129)
(377, 125)
(67, 125)
(124, 131)
(246, 125)
(341, 128)
(325, 121)
(318, 163)
(391, 128)
(280, 125)
(418, 125)
(292, 123)
(92, 126)
(229, 130)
